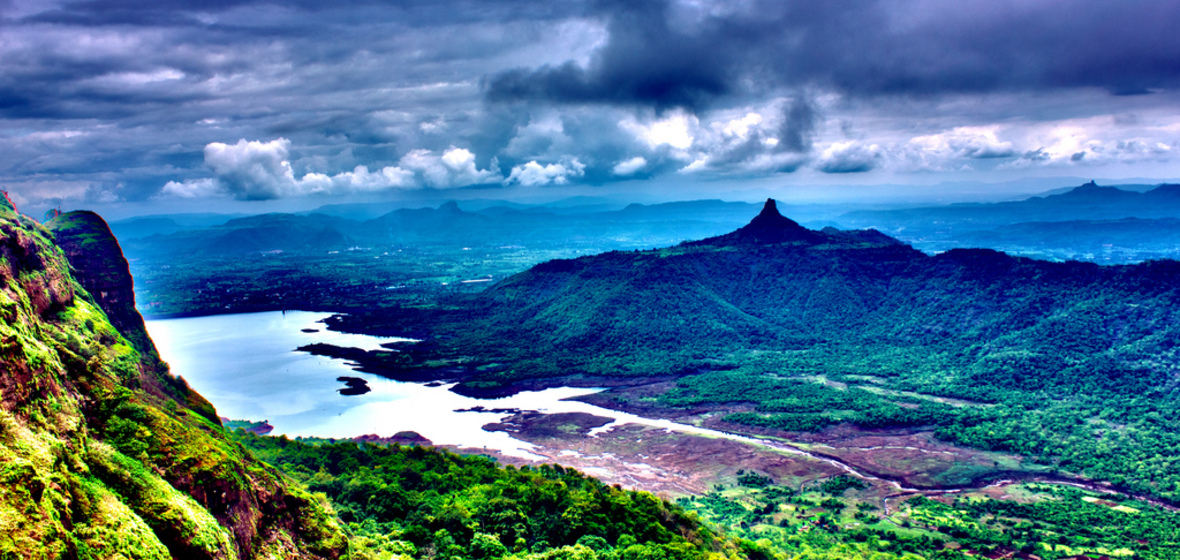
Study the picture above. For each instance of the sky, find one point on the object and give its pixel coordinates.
(151, 106)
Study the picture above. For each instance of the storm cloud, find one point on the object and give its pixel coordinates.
(666, 54)
(131, 100)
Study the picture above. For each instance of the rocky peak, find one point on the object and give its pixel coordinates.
(770, 217)
(769, 226)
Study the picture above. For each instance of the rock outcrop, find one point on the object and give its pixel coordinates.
(100, 267)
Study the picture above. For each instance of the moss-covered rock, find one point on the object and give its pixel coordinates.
(103, 453)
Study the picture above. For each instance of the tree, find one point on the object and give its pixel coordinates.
(486, 546)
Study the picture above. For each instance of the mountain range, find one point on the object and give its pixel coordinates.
(1084, 216)
(1087, 202)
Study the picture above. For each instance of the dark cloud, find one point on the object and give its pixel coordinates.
(852, 158)
(141, 79)
(862, 48)
(13, 101)
(646, 62)
(988, 152)
(417, 13)
(1037, 155)
(847, 166)
(799, 121)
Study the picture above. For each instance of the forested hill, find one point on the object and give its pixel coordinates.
(1071, 363)
(774, 285)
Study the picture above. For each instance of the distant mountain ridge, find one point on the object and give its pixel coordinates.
(1086, 202)
(448, 224)
(934, 228)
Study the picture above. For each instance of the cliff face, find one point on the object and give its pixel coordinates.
(104, 454)
(100, 267)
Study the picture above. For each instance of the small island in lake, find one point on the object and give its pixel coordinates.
(354, 386)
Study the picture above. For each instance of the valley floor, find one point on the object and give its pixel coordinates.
(842, 479)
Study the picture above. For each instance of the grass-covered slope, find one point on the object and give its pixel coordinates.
(95, 255)
(102, 453)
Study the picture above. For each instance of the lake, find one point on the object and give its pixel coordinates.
(248, 367)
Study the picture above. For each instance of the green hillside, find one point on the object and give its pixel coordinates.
(106, 455)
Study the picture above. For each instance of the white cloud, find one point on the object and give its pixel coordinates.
(1096, 142)
(535, 174)
(1094, 152)
(192, 188)
(741, 128)
(121, 81)
(741, 142)
(543, 135)
(255, 170)
(774, 162)
(630, 166)
(696, 165)
(359, 179)
(252, 170)
(453, 168)
(675, 131)
(966, 142)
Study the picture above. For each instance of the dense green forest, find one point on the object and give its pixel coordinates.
(428, 503)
